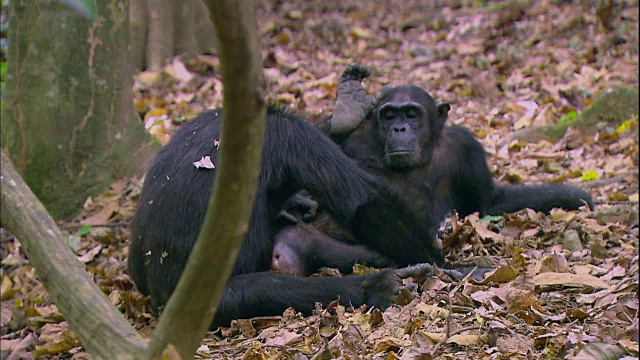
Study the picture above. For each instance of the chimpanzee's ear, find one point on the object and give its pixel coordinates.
(443, 111)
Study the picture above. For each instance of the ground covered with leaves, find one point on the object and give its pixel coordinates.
(526, 77)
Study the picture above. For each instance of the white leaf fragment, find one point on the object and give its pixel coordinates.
(205, 162)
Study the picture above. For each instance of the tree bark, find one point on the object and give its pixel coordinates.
(68, 121)
(161, 29)
(185, 27)
(138, 32)
(102, 330)
(191, 308)
(160, 34)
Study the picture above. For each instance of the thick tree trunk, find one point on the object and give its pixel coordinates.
(68, 121)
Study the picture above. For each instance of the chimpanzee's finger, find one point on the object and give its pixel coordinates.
(415, 271)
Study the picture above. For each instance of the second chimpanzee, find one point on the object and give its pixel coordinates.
(405, 140)
(432, 167)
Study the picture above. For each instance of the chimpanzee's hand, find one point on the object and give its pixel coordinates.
(301, 206)
(352, 103)
(383, 287)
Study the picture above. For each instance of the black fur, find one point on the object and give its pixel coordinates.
(296, 155)
(432, 168)
(451, 169)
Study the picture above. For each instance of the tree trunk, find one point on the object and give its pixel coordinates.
(68, 121)
(161, 29)
(138, 32)
(160, 35)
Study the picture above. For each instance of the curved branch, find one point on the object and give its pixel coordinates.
(102, 329)
(191, 308)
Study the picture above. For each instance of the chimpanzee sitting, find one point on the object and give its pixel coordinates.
(431, 167)
(296, 156)
(404, 140)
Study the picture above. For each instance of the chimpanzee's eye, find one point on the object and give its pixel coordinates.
(412, 113)
(387, 114)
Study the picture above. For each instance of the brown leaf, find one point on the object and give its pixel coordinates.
(554, 263)
(515, 345)
(55, 339)
(570, 280)
(91, 254)
(285, 338)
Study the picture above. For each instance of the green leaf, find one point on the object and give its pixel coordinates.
(3, 70)
(568, 117)
(590, 175)
(492, 218)
(82, 7)
(84, 230)
(627, 124)
(72, 240)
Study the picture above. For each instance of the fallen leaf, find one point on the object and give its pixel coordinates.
(558, 215)
(90, 255)
(569, 280)
(460, 339)
(177, 70)
(286, 338)
(600, 351)
(204, 162)
(468, 49)
(515, 345)
(432, 311)
(554, 263)
(590, 175)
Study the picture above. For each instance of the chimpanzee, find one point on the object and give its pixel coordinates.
(303, 249)
(431, 167)
(296, 156)
(404, 140)
(310, 240)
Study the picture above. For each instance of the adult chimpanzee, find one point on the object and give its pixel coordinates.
(431, 167)
(296, 156)
(405, 141)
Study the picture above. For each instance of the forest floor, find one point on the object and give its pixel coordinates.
(568, 281)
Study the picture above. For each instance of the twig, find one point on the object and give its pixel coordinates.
(108, 225)
(447, 297)
(493, 318)
(462, 282)
(434, 351)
